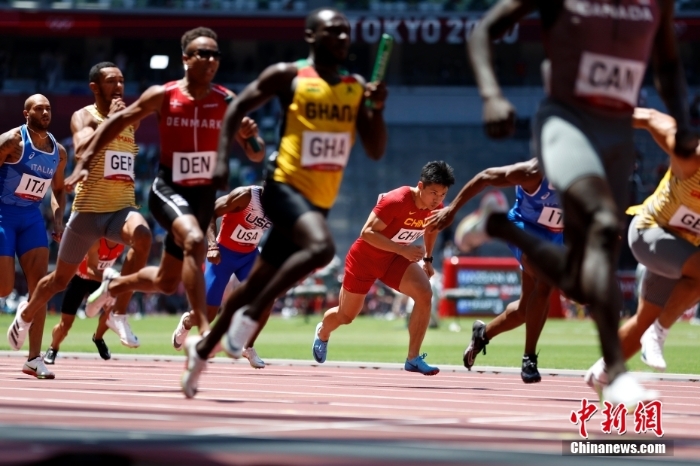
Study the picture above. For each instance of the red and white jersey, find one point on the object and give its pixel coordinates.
(405, 222)
(107, 257)
(242, 231)
(189, 133)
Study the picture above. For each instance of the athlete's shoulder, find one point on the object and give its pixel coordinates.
(397, 195)
(222, 91)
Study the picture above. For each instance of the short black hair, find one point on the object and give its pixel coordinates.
(95, 71)
(193, 34)
(312, 19)
(437, 172)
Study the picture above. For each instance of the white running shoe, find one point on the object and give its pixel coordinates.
(597, 377)
(100, 296)
(626, 390)
(180, 333)
(239, 333)
(194, 365)
(252, 356)
(36, 368)
(17, 332)
(120, 325)
(653, 346)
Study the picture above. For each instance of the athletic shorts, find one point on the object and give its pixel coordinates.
(76, 291)
(216, 277)
(86, 228)
(571, 143)
(552, 237)
(663, 255)
(167, 201)
(21, 230)
(283, 205)
(362, 270)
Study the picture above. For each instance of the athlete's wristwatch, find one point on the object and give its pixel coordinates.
(428, 259)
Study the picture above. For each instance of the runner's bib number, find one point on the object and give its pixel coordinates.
(119, 165)
(406, 236)
(552, 218)
(245, 236)
(32, 188)
(192, 168)
(103, 265)
(686, 219)
(325, 151)
(609, 77)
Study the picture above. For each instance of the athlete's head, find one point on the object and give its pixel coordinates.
(107, 83)
(435, 179)
(200, 54)
(328, 33)
(37, 112)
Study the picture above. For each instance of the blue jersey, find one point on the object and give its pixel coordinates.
(26, 182)
(541, 208)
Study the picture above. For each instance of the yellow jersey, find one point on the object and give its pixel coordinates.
(110, 183)
(674, 206)
(318, 134)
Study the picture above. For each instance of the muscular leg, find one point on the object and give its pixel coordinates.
(514, 315)
(102, 325)
(35, 263)
(7, 270)
(415, 284)
(631, 331)
(60, 331)
(349, 306)
(311, 234)
(536, 309)
(136, 234)
(684, 294)
(262, 322)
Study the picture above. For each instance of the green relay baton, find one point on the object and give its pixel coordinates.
(251, 140)
(382, 60)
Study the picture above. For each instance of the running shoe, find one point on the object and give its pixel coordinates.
(120, 324)
(418, 364)
(17, 332)
(194, 365)
(36, 368)
(319, 348)
(50, 356)
(100, 296)
(626, 390)
(653, 346)
(180, 333)
(252, 356)
(102, 348)
(529, 372)
(239, 333)
(477, 345)
(597, 377)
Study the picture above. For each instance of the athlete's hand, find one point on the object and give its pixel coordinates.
(248, 128)
(440, 219)
(116, 105)
(499, 117)
(214, 256)
(428, 269)
(377, 93)
(686, 143)
(413, 253)
(79, 174)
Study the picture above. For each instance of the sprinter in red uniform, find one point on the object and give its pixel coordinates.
(182, 197)
(384, 251)
(98, 262)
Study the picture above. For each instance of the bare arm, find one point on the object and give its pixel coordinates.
(58, 193)
(10, 144)
(149, 102)
(498, 113)
(83, 126)
(525, 174)
(370, 121)
(662, 127)
(371, 234)
(429, 241)
(670, 80)
(235, 201)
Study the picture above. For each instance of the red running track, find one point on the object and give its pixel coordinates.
(460, 410)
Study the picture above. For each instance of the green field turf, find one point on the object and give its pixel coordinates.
(565, 344)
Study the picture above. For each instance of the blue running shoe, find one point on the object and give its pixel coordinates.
(418, 364)
(320, 347)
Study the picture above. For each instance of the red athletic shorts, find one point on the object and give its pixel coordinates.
(363, 267)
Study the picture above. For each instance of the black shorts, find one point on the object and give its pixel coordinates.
(283, 206)
(167, 201)
(76, 291)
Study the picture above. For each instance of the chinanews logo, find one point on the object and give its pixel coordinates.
(647, 418)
